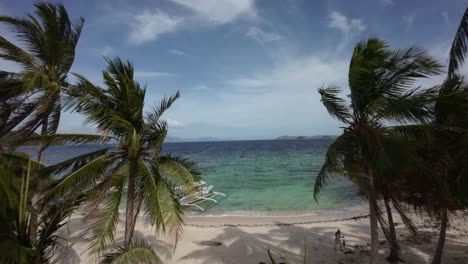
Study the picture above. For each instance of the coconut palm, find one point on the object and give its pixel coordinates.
(450, 111)
(135, 165)
(448, 153)
(46, 54)
(31, 98)
(379, 81)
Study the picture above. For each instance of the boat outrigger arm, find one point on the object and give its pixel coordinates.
(202, 195)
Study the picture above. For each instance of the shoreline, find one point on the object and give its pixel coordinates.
(292, 218)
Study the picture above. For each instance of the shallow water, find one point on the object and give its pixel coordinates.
(258, 176)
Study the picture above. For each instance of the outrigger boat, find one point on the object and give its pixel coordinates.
(202, 198)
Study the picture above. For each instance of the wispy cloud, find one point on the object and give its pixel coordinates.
(174, 123)
(201, 87)
(349, 27)
(262, 36)
(152, 74)
(409, 21)
(177, 52)
(219, 11)
(149, 25)
(387, 2)
(295, 73)
(445, 15)
(106, 51)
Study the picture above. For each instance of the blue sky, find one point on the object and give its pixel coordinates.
(246, 69)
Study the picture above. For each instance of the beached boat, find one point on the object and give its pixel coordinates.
(202, 198)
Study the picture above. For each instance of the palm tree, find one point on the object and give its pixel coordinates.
(135, 165)
(17, 176)
(49, 40)
(450, 110)
(379, 83)
(33, 96)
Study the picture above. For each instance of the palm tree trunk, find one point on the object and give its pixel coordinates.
(33, 225)
(394, 256)
(440, 245)
(374, 226)
(129, 226)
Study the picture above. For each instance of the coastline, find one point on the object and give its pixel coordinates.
(276, 218)
(246, 239)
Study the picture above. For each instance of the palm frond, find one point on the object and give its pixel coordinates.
(83, 177)
(137, 252)
(404, 217)
(164, 105)
(163, 209)
(74, 163)
(335, 105)
(459, 46)
(338, 150)
(106, 219)
(11, 52)
(51, 221)
(180, 170)
(46, 140)
(383, 223)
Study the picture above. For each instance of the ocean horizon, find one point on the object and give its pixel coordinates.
(259, 177)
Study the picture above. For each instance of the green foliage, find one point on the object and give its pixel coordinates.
(138, 252)
(135, 163)
(368, 153)
(459, 46)
(15, 198)
(33, 97)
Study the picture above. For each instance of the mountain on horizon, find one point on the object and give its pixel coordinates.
(306, 137)
(170, 139)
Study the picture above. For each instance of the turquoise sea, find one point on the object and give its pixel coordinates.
(258, 176)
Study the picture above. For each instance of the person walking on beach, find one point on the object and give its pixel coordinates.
(338, 244)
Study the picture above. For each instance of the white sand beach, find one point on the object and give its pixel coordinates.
(246, 239)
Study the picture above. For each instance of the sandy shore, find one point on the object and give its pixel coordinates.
(246, 239)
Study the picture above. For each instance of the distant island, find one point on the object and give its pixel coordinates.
(305, 137)
(171, 139)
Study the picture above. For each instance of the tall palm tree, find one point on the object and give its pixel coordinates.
(46, 54)
(32, 97)
(135, 165)
(379, 81)
(450, 110)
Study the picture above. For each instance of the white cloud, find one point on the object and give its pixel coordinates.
(387, 2)
(220, 11)
(201, 87)
(149, 25)
(445, 15)
(296, 73)
(106, 51)
(349, 27)
(261, 36)
(177, 52)
(174, 123)
(409, 21)
(152, 74)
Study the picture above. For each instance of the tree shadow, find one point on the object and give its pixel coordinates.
(162, 248)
